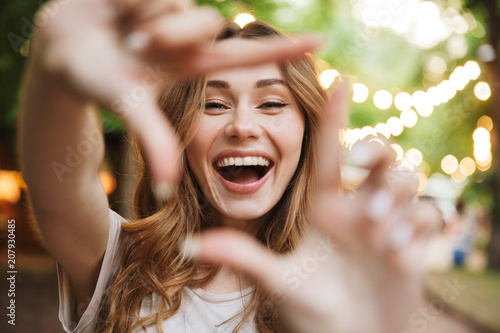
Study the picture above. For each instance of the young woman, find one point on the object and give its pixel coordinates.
(293, 253)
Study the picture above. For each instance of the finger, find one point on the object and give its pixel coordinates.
(403, 182)
(136, 104)
(132, 96)
(329, 143)
(137, 11)
(239, 251)
(337, 217)
(169, 33)
(373, 156)
(243, 53)
(411, 223)
(156, 136)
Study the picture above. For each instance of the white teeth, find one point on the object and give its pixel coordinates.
(240, 161)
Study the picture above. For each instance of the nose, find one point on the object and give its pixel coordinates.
(243, 125)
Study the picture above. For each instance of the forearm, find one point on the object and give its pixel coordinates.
(60, 140)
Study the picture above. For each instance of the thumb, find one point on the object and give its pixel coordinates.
(237, 250)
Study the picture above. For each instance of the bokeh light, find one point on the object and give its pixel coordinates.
(485, 122)
(382, 99)
(482, 152)
(403, 101)
(399, 151)
(10, 190)
(414, 156)
(436, 65)
(449, 164)
(383, 129)
(422, 103)
(108, 181)
(395, 126)
(458, 176)
(459, 78)
(467, 166)
(481, 134)
(243, 19)
(409, 118)
(472, 69)
(360, 92)
(327, 77)
(482, 91)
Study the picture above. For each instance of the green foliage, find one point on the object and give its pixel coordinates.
(16, 28)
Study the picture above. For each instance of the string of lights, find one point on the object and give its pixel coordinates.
(412, 106)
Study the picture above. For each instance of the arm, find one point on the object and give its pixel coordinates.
(61, 148)
(85, 56)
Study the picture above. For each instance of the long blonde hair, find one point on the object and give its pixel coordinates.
(151, 261)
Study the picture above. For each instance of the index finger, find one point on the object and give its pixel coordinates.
(228, 56)
(329, 143)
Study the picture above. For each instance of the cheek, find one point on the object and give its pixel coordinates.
(290, 139)
(197, 150)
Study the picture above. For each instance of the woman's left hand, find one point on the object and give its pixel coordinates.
(359, 266)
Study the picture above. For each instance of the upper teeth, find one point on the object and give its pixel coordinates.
(239, 161)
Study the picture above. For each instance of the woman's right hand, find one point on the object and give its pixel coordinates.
(119, 53)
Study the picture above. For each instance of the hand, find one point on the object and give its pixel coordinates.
(358, 268)
(119, 53)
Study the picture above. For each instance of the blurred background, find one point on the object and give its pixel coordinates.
(424, 75)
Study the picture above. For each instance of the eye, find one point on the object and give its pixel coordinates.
(272, 105)
(215, 105)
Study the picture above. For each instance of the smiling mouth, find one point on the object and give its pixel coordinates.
(243, 170)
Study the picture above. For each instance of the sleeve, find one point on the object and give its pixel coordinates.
(67, 301)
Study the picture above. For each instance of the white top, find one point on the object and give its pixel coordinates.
(200, 311)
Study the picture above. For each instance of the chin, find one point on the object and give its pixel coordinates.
(244, 209)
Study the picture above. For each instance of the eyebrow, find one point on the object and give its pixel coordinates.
(259, 84)
(218, 84)
(268, 82)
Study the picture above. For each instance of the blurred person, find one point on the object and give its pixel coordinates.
(250, 146)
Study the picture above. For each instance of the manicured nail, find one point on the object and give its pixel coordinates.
(190, 246)
(380, 204)
(360, 155)
(401, 234)
(162, 190)
(137, 41)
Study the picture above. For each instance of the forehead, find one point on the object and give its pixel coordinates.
(247, 74)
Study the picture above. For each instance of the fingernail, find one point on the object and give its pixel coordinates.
(162, 190)
(401, 234)
(360, 155)
(137, 41)
(380, 204)
(190, 246)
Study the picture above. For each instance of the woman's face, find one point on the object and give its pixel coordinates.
(248, 143)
